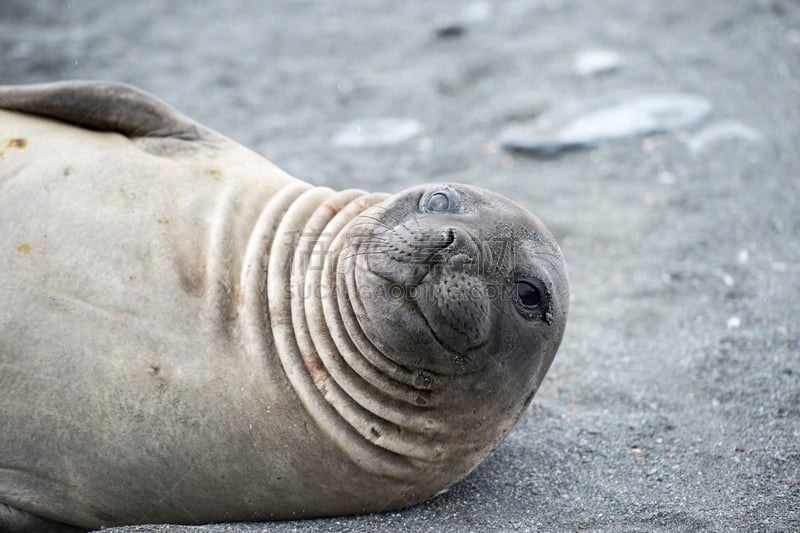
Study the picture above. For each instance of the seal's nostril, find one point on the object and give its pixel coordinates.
(450, 236)
(444, 238)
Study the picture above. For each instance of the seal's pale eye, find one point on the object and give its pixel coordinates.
(438, 202)
(531, 298)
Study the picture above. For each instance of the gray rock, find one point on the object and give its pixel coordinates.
(472, 14)
(512, 107)
(723, 131)
(376, 132)
(589, 123)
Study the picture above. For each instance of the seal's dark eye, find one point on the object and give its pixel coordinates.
(528, 295)
(533, 299)
(437, 203)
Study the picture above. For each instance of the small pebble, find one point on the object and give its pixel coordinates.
(743, 256)
(512, 107)
(779, 266)
(476, 12)
(734, 322)
(666, 177)
(456, 26)
(450, 29)
(726, 130)
(425, 144)
(491, 147)
(596, 61)
(726, 278)
(376, 133)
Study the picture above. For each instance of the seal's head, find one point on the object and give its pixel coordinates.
(468, 290)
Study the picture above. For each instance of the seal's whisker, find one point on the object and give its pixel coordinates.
(539, 252)
(369, 243)
(362, 237)
(499, 309)
(549, 262)
(368, 234)
(396, 218)
(416, 221)
(355, 253)
(377, 221)
(367, 252)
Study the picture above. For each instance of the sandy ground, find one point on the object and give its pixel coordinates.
(674, 403)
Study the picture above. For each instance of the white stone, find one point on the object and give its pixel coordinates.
(723, 131)
(376, 132)
(595, 61)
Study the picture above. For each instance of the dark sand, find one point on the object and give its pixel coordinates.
(674, 403)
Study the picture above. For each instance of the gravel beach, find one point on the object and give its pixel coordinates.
(660, 141)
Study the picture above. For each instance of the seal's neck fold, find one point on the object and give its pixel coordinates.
(299, 289)
(291, 293)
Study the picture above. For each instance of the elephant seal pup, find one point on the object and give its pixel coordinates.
(190, 335)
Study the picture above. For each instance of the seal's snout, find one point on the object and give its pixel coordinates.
(406, 255)
(433, 246)
(445, 238)
(453, 242)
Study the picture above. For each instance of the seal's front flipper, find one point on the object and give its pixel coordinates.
(12, 520)
(105, 106)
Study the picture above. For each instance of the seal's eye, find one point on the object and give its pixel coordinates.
(533, 299)
(438, 202)
(528, 295)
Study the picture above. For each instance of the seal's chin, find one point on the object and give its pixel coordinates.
(456, 308)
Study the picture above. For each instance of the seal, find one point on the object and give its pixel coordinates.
(190, 335)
